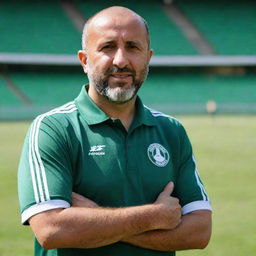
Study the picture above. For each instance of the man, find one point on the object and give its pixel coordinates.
(136, 190)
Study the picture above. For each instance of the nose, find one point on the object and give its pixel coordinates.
(120, 59)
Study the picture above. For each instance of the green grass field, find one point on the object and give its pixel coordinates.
(225, 148)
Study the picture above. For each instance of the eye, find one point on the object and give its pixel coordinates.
(132, 46)
(107, 46)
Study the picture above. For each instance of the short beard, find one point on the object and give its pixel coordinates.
(118, 95)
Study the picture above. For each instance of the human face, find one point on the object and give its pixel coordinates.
(117, 57)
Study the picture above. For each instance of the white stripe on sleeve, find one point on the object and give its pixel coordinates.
(37, 170)
(195, 206)
(42, 207)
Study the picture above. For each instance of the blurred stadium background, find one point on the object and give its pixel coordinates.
(203, 51)
(204, 55)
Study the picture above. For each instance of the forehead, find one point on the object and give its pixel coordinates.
(117, 27)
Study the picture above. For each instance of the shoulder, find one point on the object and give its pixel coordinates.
(56, 119)
(59, 114)
(163, 120)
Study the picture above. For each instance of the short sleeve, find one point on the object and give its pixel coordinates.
(189, 188)
(45, 173)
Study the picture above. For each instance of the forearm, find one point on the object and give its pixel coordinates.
(80, 227)
(86, 225)
(193, 233)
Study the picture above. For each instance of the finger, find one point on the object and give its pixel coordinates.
(168, 189)
(79, 197)
(75, 195)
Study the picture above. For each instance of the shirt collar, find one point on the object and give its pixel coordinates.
(92, 114)
(143, 115)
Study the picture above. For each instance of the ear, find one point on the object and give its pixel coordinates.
(82, 56)
(150, 53)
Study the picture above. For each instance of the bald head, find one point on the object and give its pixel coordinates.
(115, 14)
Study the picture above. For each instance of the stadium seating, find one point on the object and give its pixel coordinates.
(188, 92)
(36, 27)
(45, 90)
(8, 98)
(230, 26)
(49, 88)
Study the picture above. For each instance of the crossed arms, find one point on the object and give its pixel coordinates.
(158, 226)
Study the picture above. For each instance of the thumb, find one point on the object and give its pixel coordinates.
(168, 189)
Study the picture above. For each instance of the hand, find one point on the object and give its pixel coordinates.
(170, 209)
(81, 201)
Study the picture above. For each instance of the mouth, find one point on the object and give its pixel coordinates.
(121, 79)
(119, 75)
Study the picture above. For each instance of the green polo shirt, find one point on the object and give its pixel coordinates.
(77, 147)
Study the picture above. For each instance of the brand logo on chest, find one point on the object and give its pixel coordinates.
(158, 155)
(97, 150)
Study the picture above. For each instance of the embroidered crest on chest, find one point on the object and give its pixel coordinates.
(158, 155)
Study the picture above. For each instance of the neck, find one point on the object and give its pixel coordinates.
(125, 111)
